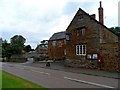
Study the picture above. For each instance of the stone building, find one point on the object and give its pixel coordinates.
(89, 39)
(56, 46)
(42, 48)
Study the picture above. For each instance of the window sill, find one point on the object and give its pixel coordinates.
(81, 55)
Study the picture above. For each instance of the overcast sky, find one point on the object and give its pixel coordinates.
(37, 20)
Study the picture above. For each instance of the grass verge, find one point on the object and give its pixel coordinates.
(12, 81)
(0, 79)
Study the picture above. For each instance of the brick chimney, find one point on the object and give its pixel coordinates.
(100, 13)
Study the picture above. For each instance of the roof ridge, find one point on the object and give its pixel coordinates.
(58, 35)
(60, 32)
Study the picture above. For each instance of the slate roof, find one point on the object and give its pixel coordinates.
(58, 35)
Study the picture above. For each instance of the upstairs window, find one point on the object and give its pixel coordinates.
(53, 43)
(60, 44)
(81, 32)
(80, 17)
(67, 36)
(81, 49)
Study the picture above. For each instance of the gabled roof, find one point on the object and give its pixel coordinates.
(92, 19)
(42, 47)
(58, 35)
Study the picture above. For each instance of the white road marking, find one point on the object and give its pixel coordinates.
(47, 73)
(91, 83)
(30, 69)
(40, 72)
(33, 70)
(22, 68)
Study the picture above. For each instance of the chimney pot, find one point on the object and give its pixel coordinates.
(100, 4)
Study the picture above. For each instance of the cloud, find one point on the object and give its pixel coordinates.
(119, 14)
(111, 13)
(70, 8)
(39, 19)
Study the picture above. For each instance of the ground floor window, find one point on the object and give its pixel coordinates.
(64, 51)
(81, 49)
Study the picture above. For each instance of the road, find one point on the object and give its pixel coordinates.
(59, 79)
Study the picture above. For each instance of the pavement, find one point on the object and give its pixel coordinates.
(60, 66)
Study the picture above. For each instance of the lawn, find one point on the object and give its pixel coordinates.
(12, 81)
(0, 79)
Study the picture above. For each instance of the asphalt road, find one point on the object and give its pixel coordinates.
(59, 79)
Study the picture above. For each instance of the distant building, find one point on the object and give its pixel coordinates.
(42, 48)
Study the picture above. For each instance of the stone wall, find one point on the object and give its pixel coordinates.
(20, 60)
(88, 64)
(109, 52)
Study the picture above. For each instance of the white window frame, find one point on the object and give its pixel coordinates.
(81, 49)
(67, 37)
(64, 51)
(81, 32)
(53, 43)
(65, 41)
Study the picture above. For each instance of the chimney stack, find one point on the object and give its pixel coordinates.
(100, 13)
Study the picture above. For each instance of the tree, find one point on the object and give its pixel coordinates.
(44, 42)
(27, 48)
(7, 50)
(116, 30)
(17, 43)
(15, 47)
(18, 39)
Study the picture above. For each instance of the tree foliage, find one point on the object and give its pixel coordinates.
(44, 41)
(116, 30)
(17, 43)
(27, 48)
(6, 49)
(14, 47)
(18, 39)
